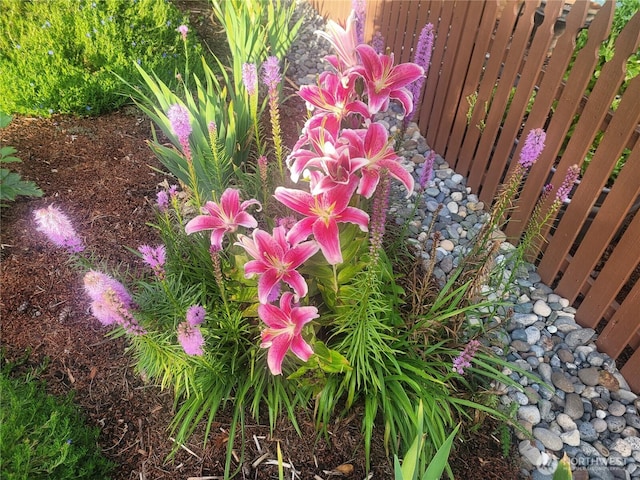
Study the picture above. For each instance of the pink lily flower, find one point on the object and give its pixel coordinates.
(322, 214)
(385, 81)
(344, 41)
(333, 95)
(276, 260)
(284, 331)
(224, 217)
(373, 146)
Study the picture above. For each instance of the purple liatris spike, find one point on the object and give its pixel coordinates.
(562, 195)
(155, 258)
(58, 228)
(359, 8)
(195, 315)
(97, 283)
(162, 200)
(111, 303)
(379, 216)
(427, 170)
(422, 57)
(463, 360)
(271, 73)
(533, 146)
(180, 125)
(183, 30)
(191, 339)
(250, 77)
(377, 42)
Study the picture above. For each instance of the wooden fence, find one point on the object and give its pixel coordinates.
(500, 68)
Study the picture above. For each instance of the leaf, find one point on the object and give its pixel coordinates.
(563, 472)
(439, 461)
(5, 119)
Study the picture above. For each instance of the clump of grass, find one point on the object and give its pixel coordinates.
(42, 436)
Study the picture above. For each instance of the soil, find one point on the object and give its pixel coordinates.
(101, 172)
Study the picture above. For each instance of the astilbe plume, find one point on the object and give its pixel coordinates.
(463, 360)
(58, 228)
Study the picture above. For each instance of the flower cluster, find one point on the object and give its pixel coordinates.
(338, 162)
(463, 360)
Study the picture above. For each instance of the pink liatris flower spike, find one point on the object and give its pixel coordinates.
(562, 195)
(58, 228)
(162, 201)
(195, 315)
(183, 30)
(250, 77)
(155, 258)
(111, 302)
(275, 261)
(463, 360)
(271, 72)
(284, 331)
(223, 217)
(533, 146)
(180, 125)
(191, 339)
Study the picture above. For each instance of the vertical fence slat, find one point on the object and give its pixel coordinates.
(486, 88)
(433, 80)
(623, 194)
(461, 124)
(456, 32)
(460, 61)
(411, 33)
(506, 83)
(631, 371)
(613, 276)
(526, 80)
(622, 326)
(597, 107)
(562, 117)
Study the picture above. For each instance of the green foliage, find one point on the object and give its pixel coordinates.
(563, 472)
(65, 56)
(11, 183)
(42, 436)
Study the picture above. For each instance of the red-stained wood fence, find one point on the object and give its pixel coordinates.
(500, 68)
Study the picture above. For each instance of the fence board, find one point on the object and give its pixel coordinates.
(486, 88)
(460, 61)
(471, 80)
(619, 200)
(631, 370)
(506, 83)
(622, 327)
(562, 117)
(604, 91)
(526, 80)
(617, 270)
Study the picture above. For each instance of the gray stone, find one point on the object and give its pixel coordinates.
(562, 381)
(571, 438)
(549, 439)
(589, 376)
(573, 406)
(529, 413)
(579, 337)
(617, 409)
(615, 424)
(588, 432)
(541, 308)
